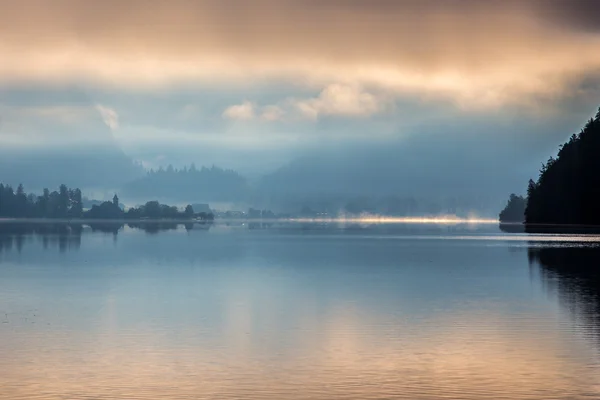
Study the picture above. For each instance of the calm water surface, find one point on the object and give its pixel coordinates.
(297, 312)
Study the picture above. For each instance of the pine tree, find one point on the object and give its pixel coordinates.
(568, 188)
(76, 204)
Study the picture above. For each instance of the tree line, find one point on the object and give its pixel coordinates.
(64, 203)
(67, 203)
(514, 212)
(567, 190)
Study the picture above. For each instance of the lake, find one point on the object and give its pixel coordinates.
(297, 311)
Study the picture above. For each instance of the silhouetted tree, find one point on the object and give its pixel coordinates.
(63, 202)
(514, 210)
(106, 210)
(8, 202)
(68, 203)
(20, 202)
(151, 209)
(43, 205)
(2, 205)
(568, 188)
(76, 203)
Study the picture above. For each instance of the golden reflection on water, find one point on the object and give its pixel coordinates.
(382, 219)
(340, 355)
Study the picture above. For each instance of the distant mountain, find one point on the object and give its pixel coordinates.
(389, 172)
(190, 185)
(445, 180)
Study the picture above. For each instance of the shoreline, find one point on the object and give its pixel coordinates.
(339, 220)
(516, 227)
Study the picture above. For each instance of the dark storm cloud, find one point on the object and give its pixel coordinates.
(581, 15)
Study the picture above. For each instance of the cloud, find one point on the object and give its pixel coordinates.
(272, 113)
(58, 113)
(47, 125)
(189, 111)
(583, 15)
(109, 116)
(340, 100)
(244, 111)
(475, 53)
(336, 100)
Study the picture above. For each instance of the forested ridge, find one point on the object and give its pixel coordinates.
(568, 188)
(567, 191)
(189, 184)
(64, 203)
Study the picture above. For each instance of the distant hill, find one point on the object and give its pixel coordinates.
(190, 185)
(391, 175)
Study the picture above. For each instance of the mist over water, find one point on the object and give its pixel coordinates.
(371, 219)
(289, 200)
(297, 310)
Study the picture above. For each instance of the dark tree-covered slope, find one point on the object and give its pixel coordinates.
(568, 188)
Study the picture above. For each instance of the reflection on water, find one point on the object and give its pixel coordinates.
(573, 273)
(67, 236)
(304, 311)
(63, 236)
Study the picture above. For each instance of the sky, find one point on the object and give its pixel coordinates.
(258, 84)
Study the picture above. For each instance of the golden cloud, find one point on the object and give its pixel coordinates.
(476, 53)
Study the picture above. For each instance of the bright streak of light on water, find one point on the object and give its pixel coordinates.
(376, 219)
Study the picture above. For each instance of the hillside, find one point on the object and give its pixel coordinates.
(567, 190)
(188, 185)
